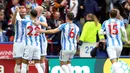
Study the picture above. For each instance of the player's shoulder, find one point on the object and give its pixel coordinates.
(106, 21)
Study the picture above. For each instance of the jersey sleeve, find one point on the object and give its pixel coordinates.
(99, 28)
(124, 31)
(43, 19)
(61, 27)
(103, 29)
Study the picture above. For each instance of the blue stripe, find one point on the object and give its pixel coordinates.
(64, 40)
(69, 39)
(16, 29)
(41, 43)
(36, 40)
(26, 39)
(22, 32)
(118, 40)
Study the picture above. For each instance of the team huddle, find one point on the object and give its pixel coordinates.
(30, 42)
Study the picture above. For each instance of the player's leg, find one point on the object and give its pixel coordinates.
(36, 58)
(71, 55)
(24, 66)
(42, 63)
(63, 61)
(18, 49)
(43, 54)
(112, 53)
(27, 55)
(17, 65)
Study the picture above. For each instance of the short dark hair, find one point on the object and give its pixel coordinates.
(70, 16)
(113, 13)
(34, 13)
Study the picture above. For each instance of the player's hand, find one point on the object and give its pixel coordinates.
(36, 23)
(17, 9)
(40, 30)
(128, 42)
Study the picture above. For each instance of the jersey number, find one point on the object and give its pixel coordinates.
(71, 34)
(113, 29)
(31, 30)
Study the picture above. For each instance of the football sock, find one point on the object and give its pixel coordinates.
(65, 68)
(70, 68)
(24, 68)
(43, 66)
(39, 68)
(116, 67)
(17, 68)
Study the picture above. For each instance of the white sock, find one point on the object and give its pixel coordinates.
(65, 68)
(70, 68)
(116, 67)
(17, 68)
(24, 68)
(43, 66)
(39, 68)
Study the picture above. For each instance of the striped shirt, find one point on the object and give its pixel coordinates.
(69, 33)
(112, 28)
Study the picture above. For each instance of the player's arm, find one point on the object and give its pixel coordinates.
(124, 32)
(44, 24)
(51, 31)
(99, 28)
(14, 15)
(102, 30)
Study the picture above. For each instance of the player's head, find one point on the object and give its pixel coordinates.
(33, 13)
(69, 16)
(113, 13)
(22, 11)
(39, 9)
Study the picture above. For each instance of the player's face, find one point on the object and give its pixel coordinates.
(23, 13)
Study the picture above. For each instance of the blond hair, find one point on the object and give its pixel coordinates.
(93, 17)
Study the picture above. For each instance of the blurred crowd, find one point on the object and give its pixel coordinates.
(55, 13)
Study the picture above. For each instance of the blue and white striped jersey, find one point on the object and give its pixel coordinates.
(31, 36)
(69, 33)
(112, 27)
(43, 37)
(19, 31)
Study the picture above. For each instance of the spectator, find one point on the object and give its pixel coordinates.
(3, 37)
(73, 7)
(99, 51)
(91, 6)
(3, 20)
(91, 29)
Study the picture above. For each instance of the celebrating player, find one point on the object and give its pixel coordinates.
(32, 42)
(19, 40)
(112, 28)
(43, 39)
(69, 37)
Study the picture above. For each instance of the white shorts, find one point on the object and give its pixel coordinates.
(32, 53)
(44, 48)
(67, 55)
(18, 49)
(114, 51)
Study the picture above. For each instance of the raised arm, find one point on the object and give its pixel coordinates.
(14, 15)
